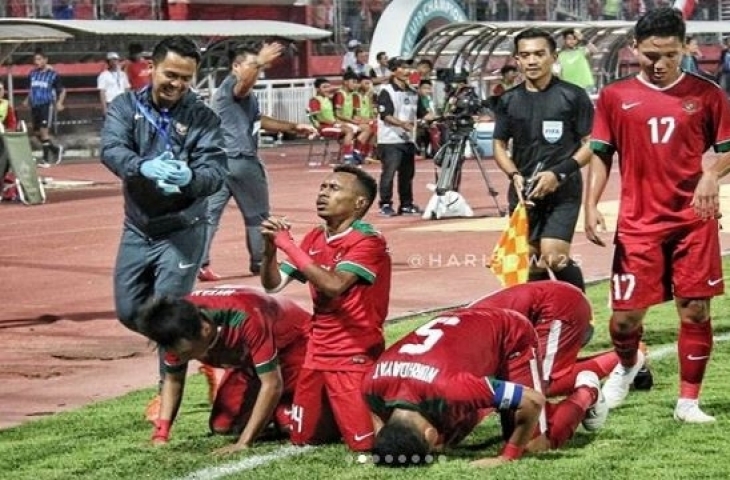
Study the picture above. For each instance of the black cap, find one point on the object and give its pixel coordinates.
(396, 62)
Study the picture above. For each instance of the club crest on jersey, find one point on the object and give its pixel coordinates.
(181, 129)
(552, 130)
(690, 105)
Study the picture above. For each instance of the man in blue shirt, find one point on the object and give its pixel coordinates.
(44, 92)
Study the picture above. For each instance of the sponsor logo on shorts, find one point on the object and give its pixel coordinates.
(360, 438)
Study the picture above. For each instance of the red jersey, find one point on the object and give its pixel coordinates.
(541, 302)
(347, 331)
(139, 73)
(254, 329)
(443, 369)
(660, 135)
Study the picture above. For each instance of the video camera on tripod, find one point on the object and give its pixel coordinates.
(461, 106)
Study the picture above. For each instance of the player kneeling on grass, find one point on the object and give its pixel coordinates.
(259, 339)
(561, 315)
(433, 387)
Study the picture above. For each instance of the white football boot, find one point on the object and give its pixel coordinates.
(617, 386)
(688, 411)
(598, 413)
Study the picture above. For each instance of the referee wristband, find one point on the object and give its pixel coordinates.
(565, 168)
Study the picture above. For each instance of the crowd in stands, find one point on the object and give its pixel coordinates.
(79, 9)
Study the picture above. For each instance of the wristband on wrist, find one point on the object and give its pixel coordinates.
(565, 168)
(298, 257)
(162, 430)
(512, 175)
(512, 451)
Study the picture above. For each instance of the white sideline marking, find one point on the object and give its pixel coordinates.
(249, 463)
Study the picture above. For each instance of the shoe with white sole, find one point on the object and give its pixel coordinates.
(617, 386)
(596, 416)
(688, 411)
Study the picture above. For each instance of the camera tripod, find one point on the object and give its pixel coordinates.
(450, 157)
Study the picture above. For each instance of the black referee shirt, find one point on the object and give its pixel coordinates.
(544, 126)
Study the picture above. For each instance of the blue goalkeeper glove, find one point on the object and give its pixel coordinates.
(181, 175)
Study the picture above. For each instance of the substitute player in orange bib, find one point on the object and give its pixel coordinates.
(660, 122)
(260, 340)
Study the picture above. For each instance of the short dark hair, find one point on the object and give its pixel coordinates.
(350, 75)
(135, 49)
(400, 444)
(179, 44)
(425, 61)
(167, 320)
(366, 181)
(380, 55)
(320, 81)
(660, 22)
(250, 47)
(568, 32)
(39, 51)
(534, 32)
(425, 81)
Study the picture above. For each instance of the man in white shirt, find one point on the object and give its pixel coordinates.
(112, 81)
(349, 61)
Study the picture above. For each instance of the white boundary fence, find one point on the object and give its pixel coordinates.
(280, 99)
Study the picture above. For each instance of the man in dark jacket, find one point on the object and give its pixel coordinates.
(167, 147)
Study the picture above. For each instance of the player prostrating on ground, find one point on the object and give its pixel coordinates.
(348, 268)
(661, 122)
(434, 386)
(259, 339)
(561, 314)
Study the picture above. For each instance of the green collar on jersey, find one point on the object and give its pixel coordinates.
(227, 317)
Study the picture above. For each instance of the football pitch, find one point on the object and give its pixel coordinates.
(110, 440)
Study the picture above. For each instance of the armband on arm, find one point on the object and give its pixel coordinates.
(507, 395)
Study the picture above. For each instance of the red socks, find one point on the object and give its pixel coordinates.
(625, 343)
(601, 364)
(694, 348)
(564, 418)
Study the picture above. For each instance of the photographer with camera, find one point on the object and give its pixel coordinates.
(549, 122)
(397, 104)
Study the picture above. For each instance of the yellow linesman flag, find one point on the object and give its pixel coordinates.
(511, 256)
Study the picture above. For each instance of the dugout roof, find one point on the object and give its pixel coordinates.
(483, 48)
(162, 28)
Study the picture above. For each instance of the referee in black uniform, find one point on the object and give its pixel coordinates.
(549, 122)
(44, 92)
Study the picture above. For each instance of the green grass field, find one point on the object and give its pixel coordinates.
(109, 440)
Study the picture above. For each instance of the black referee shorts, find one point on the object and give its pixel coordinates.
(40, 116)
(552, 218)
